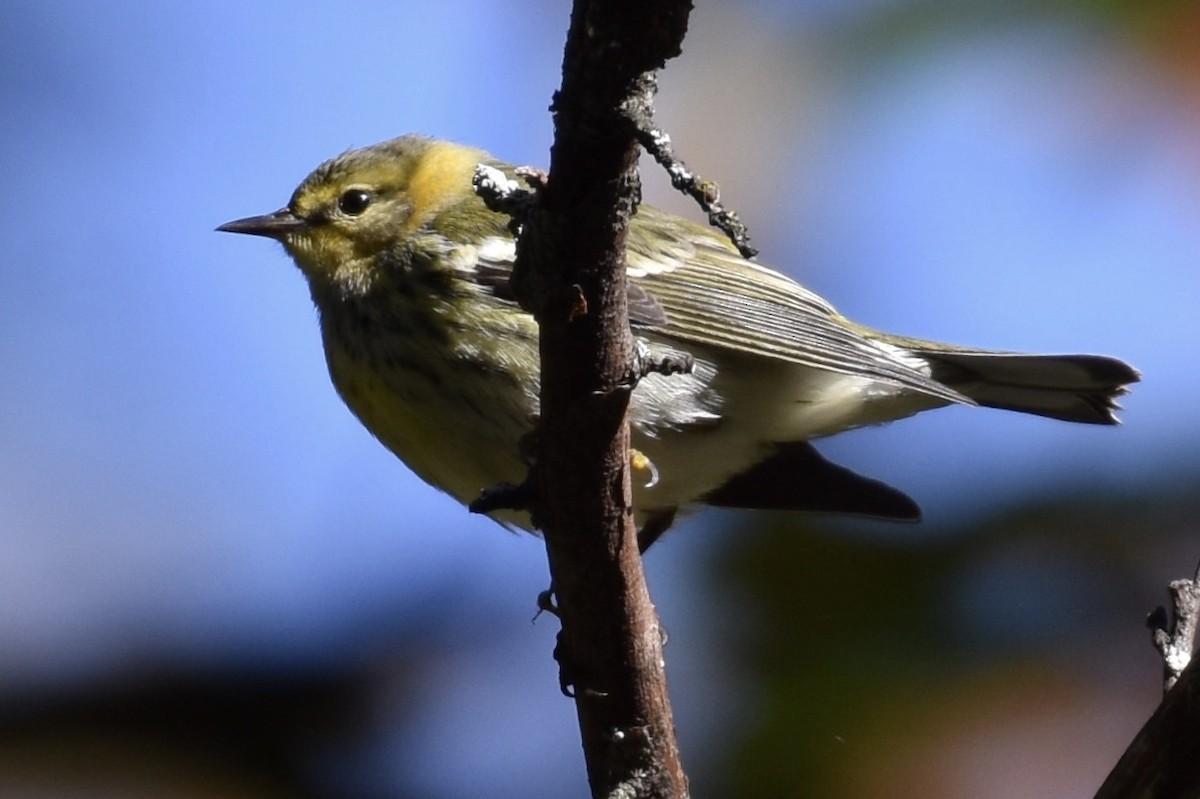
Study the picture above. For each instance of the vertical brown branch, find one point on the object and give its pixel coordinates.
(571, 274)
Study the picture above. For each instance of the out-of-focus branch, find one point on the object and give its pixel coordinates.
(1175, 638)
(1163, 761)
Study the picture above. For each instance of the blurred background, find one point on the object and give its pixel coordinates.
(213, 582)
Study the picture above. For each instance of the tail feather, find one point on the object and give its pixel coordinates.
(1075, 388)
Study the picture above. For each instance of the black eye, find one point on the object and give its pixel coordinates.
(354, 201)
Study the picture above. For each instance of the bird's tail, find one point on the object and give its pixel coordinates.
(1076, 388)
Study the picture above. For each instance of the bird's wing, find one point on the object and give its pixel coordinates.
(690, 285)
(712, 296)
(796, 477)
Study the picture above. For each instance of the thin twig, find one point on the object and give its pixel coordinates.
(1175, 638)
(504, 195)
(705, 192)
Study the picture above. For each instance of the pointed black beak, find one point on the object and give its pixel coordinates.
(273, 226)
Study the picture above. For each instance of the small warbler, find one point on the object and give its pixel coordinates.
(409, 273)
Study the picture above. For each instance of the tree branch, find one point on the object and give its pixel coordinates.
(571, 275)
(1175, 638)
(706, 193)
(1163, 761)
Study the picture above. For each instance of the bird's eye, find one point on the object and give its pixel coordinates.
(354, 201)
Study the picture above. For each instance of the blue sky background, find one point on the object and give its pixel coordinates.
(179, 483)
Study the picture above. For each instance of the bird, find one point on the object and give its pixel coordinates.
(427, 346)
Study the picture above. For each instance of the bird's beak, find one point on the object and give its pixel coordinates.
(274, 226)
